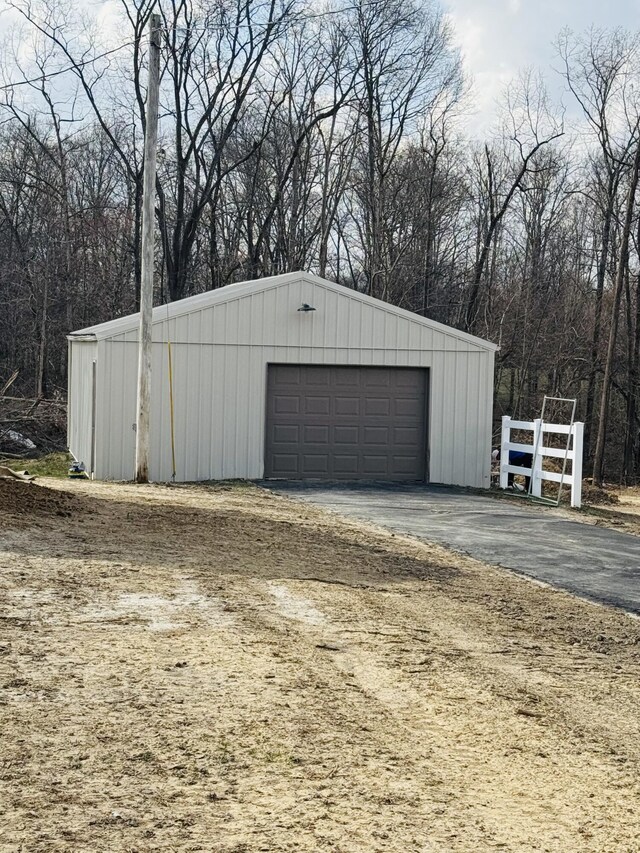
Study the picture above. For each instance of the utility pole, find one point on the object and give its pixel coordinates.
(146, 279)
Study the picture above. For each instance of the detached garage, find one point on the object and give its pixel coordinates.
(290, 377)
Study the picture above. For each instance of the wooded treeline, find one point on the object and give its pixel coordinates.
(329, 139)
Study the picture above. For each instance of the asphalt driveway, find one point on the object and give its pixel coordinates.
(594, 562)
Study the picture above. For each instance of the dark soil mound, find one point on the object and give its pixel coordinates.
(595, 495)
(18, 498)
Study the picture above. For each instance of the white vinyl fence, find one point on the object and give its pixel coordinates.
(572, 453)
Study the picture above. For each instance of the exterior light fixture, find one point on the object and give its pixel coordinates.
(306, 307)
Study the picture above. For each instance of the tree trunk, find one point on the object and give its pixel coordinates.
(597, 324)
(598, 459)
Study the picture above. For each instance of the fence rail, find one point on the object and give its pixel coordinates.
(538, 451)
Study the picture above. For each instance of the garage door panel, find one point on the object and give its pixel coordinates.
(405, 379)
(346, 434)
(287, 463)
(286, 405)
(285, 433)
(376, 377)
(317, 405)
(344, 464)
(404, 464)
(377, 406)
(315, 463)
(345, 376)
(406, 435)
(346, 423)
(408, 407)
(347, 406)
(375, 465)
(321, 377)
(316, 434)
(375, 435)
(287, 374)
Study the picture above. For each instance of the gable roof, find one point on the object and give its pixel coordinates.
(240, 289)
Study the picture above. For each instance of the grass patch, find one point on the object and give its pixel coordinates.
(51, 465)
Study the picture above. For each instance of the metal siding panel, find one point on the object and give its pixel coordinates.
(183, 399)
(70, 393)
(469, 389)
(286, 329)
(309, 329)
(228, 410)
(311, 323)
(390, 332)
(433, 340)
(271, 318)
(126, 375)
(163, 412)
(342, 324)
(378, 328)
(477, 406)
(80, 399)
(219, 370)
(242, 315)
(415, 339)
(243, 402)
(485, 417)
(116, 406)
(181, 413)
(207, 392)
(156, 437)
(190, 416)
(355, 317)
(331, 318)
(219, 323)
(366, 326)
(111, 414)
(438, 418)
(201, 437)
(459, 398)
(257, 413)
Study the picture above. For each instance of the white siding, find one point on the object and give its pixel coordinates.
(80, 390)
(220, 357)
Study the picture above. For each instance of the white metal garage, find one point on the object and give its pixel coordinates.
(291, 376)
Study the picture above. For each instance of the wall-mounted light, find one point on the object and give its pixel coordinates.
(306, 307)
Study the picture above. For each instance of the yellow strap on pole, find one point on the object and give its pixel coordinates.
(173, 437)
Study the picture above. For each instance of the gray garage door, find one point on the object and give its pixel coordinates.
(346, 423)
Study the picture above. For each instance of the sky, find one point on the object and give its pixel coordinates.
(500, 37)
(497, 38)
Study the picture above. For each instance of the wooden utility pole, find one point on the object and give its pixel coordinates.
(146, 282)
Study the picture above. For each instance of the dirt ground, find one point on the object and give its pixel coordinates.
(620, 511)
(220, 669)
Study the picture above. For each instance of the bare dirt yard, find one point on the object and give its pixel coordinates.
(624, 514)
(220, 669)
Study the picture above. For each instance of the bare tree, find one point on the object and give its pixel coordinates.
(530, 126)
(408, 64)
(621, 273)
(598, 68)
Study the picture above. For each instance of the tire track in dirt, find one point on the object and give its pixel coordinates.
(455, 726)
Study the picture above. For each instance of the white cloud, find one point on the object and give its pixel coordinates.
(498, 38)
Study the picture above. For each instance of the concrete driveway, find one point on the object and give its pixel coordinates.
(594, 562)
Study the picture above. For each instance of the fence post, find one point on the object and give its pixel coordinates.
(504, 453)
(536, 461)
(577, 432)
